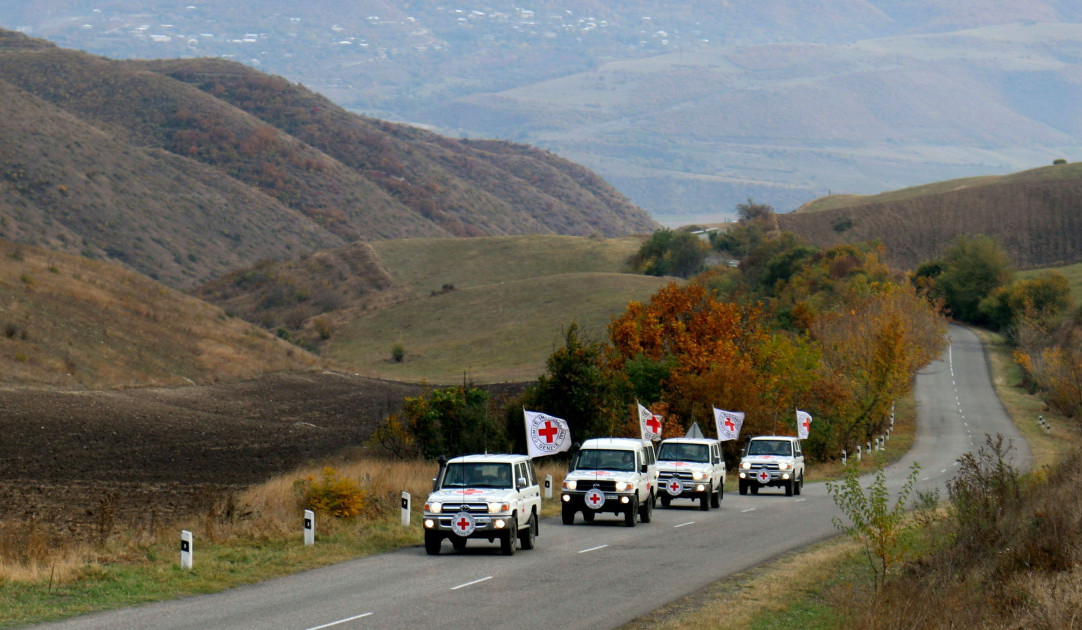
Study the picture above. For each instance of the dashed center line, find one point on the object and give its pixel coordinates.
(748, 510)
(683, 524)
(455, 588)
(340, 621)
(593, 549)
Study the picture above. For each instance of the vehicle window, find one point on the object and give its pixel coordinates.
(478, 475)
(783, 448)
(650, 456)
(605, 459)
(533, 475)
(683, 453)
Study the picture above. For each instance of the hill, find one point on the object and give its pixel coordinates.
(688, 108)
(70, 322)
(487, 309)
(1033, 213)
(182, 170)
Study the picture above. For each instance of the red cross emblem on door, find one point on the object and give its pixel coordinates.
(463, 524)
(594, 498)
(763, 476)
(548, 432)
(675, 487)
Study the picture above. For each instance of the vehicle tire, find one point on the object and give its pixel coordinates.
(715, 498)
(704, 502)
(789, 485)
(629, 515)
(432, 543)
(754, 488)
(588, 515)
(646, 511)
(569, 514)
(799, 484)
(509, 540)
(458, 542)
(743, 485)
(526, 536)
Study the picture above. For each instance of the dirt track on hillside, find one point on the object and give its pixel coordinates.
(70, 459)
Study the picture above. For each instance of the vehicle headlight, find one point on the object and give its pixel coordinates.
(698, 475)
(745, 465)
(496, 508)
(570, 485)
(433, 507)
(623, 486)
(786, 466)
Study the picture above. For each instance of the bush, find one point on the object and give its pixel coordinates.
(398, 353)
(332, 494)
(982, 492)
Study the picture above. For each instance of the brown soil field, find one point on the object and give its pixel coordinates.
(69, 459)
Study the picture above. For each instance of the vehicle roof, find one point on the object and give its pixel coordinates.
(623, 444)
(776, 437)
(687, 440)
(486, 458)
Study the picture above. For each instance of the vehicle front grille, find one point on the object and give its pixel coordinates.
(472, 508)
(601, 484)
(685, 476)
(765, 467)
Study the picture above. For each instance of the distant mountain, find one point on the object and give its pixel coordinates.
(1036, 215)
(688, 108)
(184, 170)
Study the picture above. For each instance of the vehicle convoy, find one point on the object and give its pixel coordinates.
(772, 460)
(491, 497)
(617, 475)
(691, 468)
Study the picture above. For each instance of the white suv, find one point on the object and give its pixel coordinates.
(617, 475)
(691, 468)
(772, 460)
(483, 496)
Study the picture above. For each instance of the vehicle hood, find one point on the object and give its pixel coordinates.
(767, 459)
(472, 495)
(602, 475)
(677, 466)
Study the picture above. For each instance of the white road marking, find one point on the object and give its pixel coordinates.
(798, 500)
(748, 510)
(340, 621)
(683, 524)
(455, 588)
(593, 549)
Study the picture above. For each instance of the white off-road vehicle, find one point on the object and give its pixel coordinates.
(617, 475)
(691, 468)
(772, 460)
(483, 496)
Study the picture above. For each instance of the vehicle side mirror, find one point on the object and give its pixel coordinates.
(645, 468)
(522, 482)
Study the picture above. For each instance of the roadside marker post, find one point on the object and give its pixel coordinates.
(309, 528)
(843, 457)
(548, 486)
(405, 509)
(185, 550)
(858, 453)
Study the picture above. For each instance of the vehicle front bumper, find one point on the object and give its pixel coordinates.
(614, 501)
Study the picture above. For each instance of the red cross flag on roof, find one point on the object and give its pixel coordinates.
(728, 423)
(803, 424)
(546, 435)
(650, 423)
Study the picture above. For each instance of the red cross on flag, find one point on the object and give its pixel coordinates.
(803, 423)
(546, 435)
(650, 423)
(728, 423)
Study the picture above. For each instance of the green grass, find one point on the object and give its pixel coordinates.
(498, 332)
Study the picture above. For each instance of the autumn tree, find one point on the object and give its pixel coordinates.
(671, 253)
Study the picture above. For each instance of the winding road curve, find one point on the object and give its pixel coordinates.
(591, 576)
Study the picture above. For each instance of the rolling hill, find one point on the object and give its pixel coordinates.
(183, 170)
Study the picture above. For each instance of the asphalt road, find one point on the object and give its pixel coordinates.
(591, 576)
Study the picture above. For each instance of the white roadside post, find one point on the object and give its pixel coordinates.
(185, 549)
(858, 453)
(843, 457)
(309, 528)
(548, 486)
(405, 509)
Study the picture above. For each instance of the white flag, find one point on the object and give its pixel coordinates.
(728, 423)
(803, 423)
(546, 435)
(649, 423)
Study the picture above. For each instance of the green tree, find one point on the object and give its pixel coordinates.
(452, 421)
(671, 253)
(1044, 298)
(973, 267)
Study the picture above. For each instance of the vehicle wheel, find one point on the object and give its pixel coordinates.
(432, 543)
(789, 485)
(458, 542)
(509, 540)
(799, 484)
(715, 498)
(526, 536)
(665, 500)
(646, 512)
(743, 486)
(568, 514)
(629, 515)
(588, 515)
(704, 502)
(754, 488)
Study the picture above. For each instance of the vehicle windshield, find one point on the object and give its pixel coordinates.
(602, 459)
(477, 475)
(783, 448)
(671, 452)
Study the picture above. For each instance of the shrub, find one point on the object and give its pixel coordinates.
(331, 494)
(985, 487)
(398, 353)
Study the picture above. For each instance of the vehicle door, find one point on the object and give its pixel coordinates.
(530, 491)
